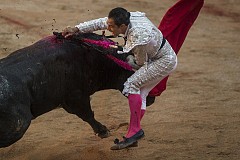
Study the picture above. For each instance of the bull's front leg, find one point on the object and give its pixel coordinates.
(80, 105)
(14, 121)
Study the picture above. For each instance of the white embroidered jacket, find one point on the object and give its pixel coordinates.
(143, 37)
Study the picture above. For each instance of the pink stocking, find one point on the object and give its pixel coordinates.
(135, 102)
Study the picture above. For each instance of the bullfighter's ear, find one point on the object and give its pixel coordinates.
(123, 28)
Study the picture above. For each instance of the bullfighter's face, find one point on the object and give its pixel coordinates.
(115, 29)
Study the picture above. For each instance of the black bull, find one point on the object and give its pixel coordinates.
(55, 72)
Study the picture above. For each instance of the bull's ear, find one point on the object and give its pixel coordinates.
(58, 34)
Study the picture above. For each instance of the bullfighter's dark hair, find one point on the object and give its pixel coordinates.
(120, 16)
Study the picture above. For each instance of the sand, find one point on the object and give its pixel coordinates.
(197, 117)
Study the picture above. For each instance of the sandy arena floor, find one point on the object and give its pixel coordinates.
(197, 117)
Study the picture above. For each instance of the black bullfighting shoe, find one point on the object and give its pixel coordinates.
(128, 142)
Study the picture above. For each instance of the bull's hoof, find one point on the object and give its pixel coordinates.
(104, 134)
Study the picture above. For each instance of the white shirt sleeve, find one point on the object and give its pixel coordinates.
(93, 25)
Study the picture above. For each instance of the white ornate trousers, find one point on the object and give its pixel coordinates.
(149, 75)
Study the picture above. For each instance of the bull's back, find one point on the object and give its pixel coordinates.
(47, 69)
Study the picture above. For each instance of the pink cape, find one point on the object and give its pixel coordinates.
(175, 26)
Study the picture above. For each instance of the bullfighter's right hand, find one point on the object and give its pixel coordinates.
(131, 60)
(69, 31)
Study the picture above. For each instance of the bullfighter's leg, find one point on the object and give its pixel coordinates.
(13, 125)
(82, 108)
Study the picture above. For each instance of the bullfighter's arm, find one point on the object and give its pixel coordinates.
(93, 25)
(137, 36)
